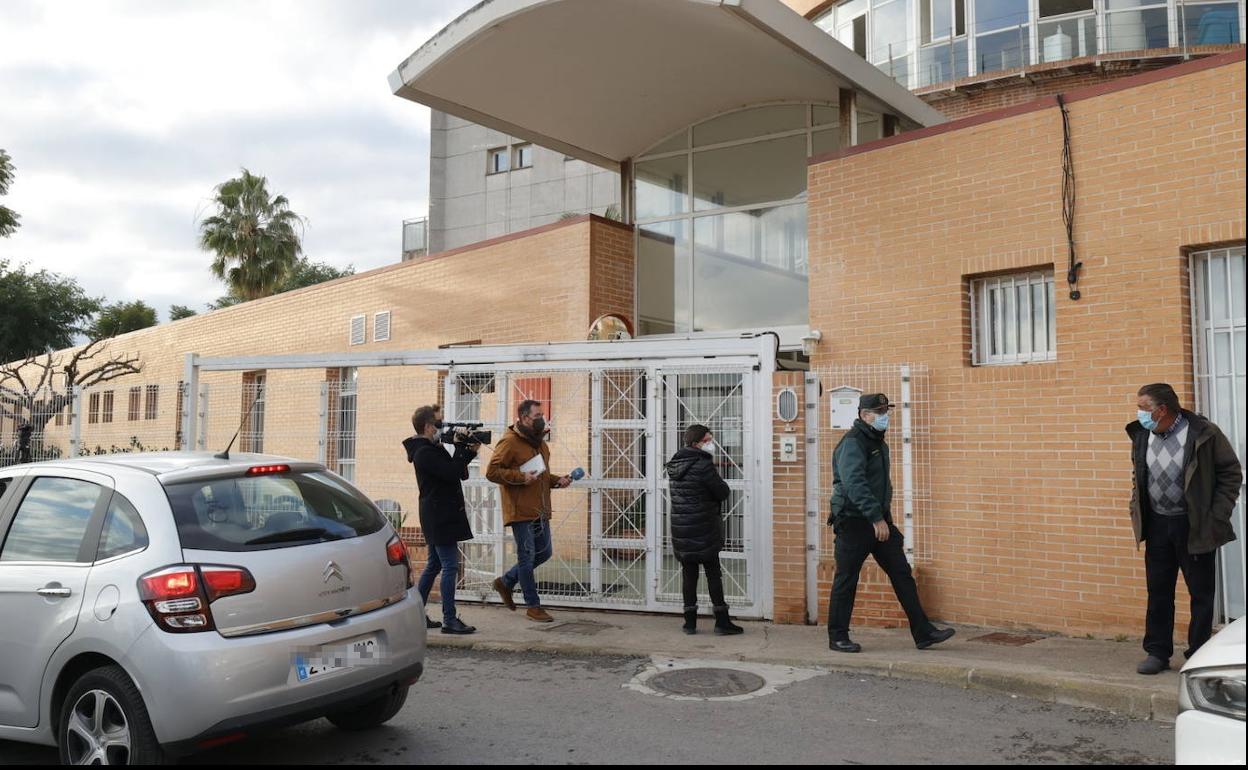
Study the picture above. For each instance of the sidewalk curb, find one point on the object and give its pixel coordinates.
(1135, 702)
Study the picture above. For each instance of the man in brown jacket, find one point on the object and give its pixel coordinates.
(526, 503)
(1186, 481)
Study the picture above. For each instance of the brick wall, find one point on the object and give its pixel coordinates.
(789, 508)
(1030, 466)
(612, 272)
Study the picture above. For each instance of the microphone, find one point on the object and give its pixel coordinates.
(577, 474)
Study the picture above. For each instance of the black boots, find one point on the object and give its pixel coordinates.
(691, 621)
(723, 624)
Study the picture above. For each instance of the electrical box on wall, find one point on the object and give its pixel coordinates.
(788, 449)
(844, 407)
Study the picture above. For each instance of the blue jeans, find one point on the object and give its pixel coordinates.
(444, 559)
(533, 549)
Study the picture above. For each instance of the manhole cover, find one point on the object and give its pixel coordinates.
(707, 682)
(579, 627)
(1007, 640)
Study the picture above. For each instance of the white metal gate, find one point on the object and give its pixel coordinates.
(1218, 328)
(616, 409)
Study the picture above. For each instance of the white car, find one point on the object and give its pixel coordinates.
(1210, 727)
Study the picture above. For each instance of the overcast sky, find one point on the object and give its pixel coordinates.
(122, 115)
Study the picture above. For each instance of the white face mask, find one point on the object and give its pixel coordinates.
(708, 447)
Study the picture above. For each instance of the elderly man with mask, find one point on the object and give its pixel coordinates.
(862, 495)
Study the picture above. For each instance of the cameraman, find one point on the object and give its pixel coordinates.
(443, 515)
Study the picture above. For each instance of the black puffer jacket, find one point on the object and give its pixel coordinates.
(443, 515)
(698, 494)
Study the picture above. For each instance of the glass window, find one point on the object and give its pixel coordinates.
(136, 402)
(747, 124)
(673, 144)
(662, 187)
(524, 156)
(826, 116)
(252, 437)
(1002, 50)
(750, 269)
(827, 140)
(498, 161)
(1014, 319)
(151, 405)
(1062, 7)
(1068, 38)
(1210, 24)
(890, 30)
(106, 413)
(258, 512)
(940, 63)
(51, 521)
(936, 19)
(345, 422)
(663, 292)
(1000, 14)
(1136, 30)
(758, 172)
(123, 530)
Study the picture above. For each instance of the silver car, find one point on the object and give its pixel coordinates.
(152, 605)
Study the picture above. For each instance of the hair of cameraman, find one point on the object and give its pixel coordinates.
(425, 416)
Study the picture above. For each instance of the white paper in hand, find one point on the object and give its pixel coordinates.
(536, 465)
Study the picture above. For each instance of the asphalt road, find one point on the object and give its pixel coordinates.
(477, 707)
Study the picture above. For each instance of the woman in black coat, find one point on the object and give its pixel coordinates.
(697, 494)
(443, 515)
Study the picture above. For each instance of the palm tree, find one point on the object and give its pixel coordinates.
(256, 238)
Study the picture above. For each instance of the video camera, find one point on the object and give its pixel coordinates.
(465, 433)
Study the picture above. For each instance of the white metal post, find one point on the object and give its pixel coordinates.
(595, 494)
(907, 461)
(190, 385)
(75, 422)
(814, 504)
(502, 388)
(201, 439)
(653, 495)
(322, 439)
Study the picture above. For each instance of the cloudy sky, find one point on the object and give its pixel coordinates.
(122, 115)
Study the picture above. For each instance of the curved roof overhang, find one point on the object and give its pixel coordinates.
(604, 80)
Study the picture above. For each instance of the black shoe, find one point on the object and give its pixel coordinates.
(1152, 666)
(844, 645)
(691, 621)
(938, 636)
(430, 623)
(457, 626)
(724, 625)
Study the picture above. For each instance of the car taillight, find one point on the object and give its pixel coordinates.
(178, 598)
(267, 470)
(396, 553)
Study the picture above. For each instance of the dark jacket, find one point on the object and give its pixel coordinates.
(1211, 480)
(443, 515)
(697, 494)
(861, 486)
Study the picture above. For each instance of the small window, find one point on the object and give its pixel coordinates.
(524, 156)
(123, 530)
(51, 521)
(381, 327)
(151, 405)
(498, 161)
(93, 408)
(1013, 320)
(136, 399)
(106, 414)
(358, 330)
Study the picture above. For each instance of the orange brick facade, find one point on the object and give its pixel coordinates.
(1030, 463)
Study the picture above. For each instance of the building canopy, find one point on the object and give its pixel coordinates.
(604, 80)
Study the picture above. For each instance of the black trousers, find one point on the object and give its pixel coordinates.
(855, 541)
(1165, 556)
(714, 582)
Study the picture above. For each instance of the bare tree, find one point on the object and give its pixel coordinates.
(34, 391)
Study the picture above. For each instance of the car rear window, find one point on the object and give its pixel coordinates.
(249, 513)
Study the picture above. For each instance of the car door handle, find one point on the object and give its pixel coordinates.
(58, 592)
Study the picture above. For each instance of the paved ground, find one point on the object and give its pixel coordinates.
(519, 708)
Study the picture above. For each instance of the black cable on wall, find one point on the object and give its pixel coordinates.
(1068, 202)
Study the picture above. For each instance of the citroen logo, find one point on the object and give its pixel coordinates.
(332, 570)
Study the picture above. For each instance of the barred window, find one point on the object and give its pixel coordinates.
(151, 407)
(1013, 319)
(136, 396)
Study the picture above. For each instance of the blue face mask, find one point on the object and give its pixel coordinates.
(1146, 419)
(881, 422)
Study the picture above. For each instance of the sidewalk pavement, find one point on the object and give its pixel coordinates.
(1094, 674)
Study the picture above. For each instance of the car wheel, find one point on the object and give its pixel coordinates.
(104, 722)
(374, 713)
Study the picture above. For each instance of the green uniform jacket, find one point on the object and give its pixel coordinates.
(861, 486)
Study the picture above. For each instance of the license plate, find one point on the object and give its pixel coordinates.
(364, 651)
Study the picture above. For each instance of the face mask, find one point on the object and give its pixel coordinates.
(708, 447)
(881, 422)
(539, 426)
(1146, 419)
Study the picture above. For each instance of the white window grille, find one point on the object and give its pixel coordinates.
(358, 330)
(381, 327)
(1013, 319)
